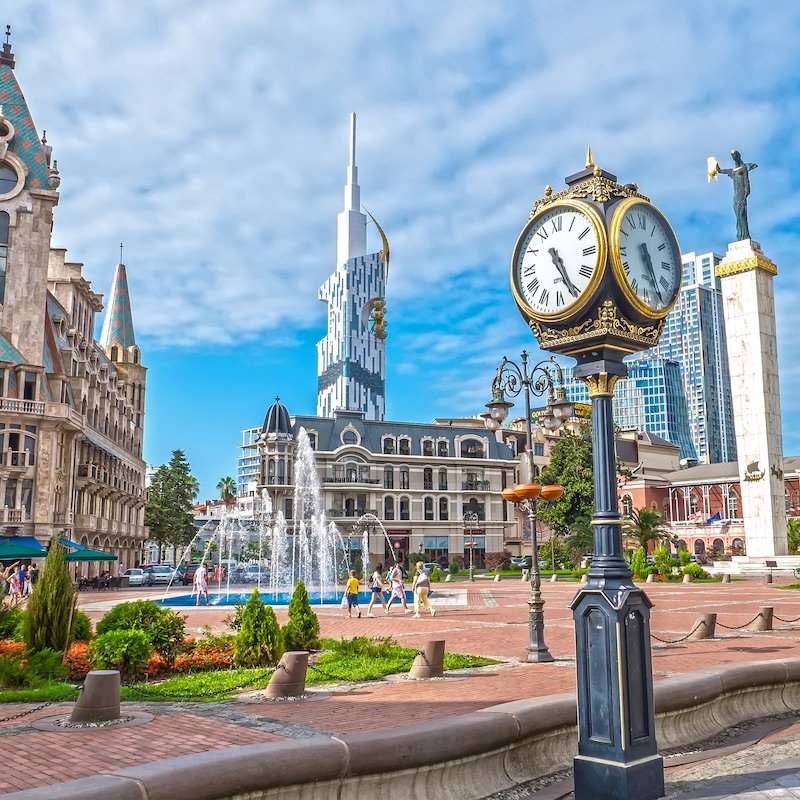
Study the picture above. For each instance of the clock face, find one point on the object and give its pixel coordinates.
(557, 260)
(646, 257)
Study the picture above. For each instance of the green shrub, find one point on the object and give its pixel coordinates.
(685, 557)
(663, 560)
(47, 620)
(18, 670)
(639, 563)
(125, 650)
(302, 629)
(234, 621)
(81, 627)
(259, 642)
(695, 570)
(164, 628)
(363, 646)
(10, 620)
(435, 576)
(455, 567)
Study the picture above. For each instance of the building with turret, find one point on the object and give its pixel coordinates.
(71, 407)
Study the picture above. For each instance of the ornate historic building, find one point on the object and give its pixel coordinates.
(71, 408)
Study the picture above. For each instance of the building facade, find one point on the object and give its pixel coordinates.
(71, 408)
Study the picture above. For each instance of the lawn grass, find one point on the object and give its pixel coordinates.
(52, 690)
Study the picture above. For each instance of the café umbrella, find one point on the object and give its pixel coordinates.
(90, 555)
(16, 551)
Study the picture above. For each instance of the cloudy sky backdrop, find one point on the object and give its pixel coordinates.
(212, 140)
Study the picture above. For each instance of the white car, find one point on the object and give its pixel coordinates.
(135, 577)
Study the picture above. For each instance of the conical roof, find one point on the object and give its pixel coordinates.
(277, 419)
(118, 322)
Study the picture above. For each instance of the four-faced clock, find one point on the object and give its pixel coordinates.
(645, 257)
(558, 260)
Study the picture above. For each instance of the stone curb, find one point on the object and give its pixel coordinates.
(467, 757)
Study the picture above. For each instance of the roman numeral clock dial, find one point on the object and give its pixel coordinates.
(645, 256)
(557, 261)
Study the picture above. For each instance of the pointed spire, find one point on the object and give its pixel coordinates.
(352, 191)
(589, 158)
(118, 322)
(6, 55)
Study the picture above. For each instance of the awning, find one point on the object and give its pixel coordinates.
(90, 555)
(73, 545)
(13, 551)
(27, 541)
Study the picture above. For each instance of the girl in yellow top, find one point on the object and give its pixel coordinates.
(351, 591)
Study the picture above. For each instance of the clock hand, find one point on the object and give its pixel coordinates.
(562, 271)
(649, 264)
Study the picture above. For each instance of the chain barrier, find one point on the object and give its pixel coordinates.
(675, 641)
(54, 701)
(739, 627)
(360, 680)
(158, 696)
(780, 619)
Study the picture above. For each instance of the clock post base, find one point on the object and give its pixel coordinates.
(597, 779)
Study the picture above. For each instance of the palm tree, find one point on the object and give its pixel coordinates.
(581, 538)
(644, 526)
(227, 489)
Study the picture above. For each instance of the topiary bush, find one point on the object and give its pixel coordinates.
(81, 627)
(435, 576)
(663, 560)
(164, 628)
(125, 650)
(695, 570)
(685, 557)
(50, 607)
(302, 630)
(259, 642)
(639, 563)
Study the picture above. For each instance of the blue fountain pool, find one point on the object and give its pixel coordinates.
(270, 598)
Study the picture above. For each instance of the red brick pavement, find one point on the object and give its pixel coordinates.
(494, 623)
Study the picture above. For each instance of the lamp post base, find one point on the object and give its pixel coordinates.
(598, 779)
(537, 652)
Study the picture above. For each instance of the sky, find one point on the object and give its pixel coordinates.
(212, 140)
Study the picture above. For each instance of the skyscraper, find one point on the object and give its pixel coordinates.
(351, 359)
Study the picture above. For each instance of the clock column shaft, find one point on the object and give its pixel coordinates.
(617, 753)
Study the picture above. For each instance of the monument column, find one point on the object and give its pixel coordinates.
(746, 276)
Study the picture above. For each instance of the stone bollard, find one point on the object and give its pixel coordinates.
(99, 700)
(526, 575)
(763, 622)
(704, 627)
(448, 578)
(687, 578)
(554, 578)
(289, 678)
(650, 578)
(497, 579)
(585, 577)
(430, 662)
(768, 578)
(726, 578)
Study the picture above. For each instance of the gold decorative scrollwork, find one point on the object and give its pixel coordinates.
(609, 320)
(745, 265)
(597, 187)
(601, 385)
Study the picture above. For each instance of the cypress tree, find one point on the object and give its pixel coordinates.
(302, 629)
(259, 641)
(50, 608)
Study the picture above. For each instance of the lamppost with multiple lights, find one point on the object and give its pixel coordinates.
(470, 522)
(544, 377)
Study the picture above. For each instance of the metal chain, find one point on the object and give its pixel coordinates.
(39, 707)
(361, 680)
(675, 641)
(738, 627)
(780, 619)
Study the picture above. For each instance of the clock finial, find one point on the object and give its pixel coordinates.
(589, 158)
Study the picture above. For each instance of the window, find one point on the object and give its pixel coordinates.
(428, 508)
(388, 478)
(471, 448)
(405, 508)
(4, 222)
(442, 480)
(388, 445)
(287, 508)
(427, 447)
(442, 449)
(29, 391)
(405, 446)
(349, 437)
(444, 512)
(404, 481)
(388, 507)
(427, 479)
(538, 448)
(627, 505)
(8, 179)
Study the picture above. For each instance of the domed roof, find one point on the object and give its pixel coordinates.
(276, 420)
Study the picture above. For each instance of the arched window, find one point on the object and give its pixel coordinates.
(349, 437)
(427, 478)
(388, 507)
(388, 477)
(444, 512)
(693, 503)
(627, 505)
(443, 480)
(472, 448)
(405, 508)
(388, 445)
(114, 353)
(441, 448)
(404, 480)
(405, 446)
(281, 472)
(4, 223)
(428, 508)
(427, 447)
(351, 472)
(271, 471)
(733, 506)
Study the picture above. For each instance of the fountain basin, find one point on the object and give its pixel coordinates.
(271, 598)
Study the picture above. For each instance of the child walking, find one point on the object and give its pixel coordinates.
(351, 590)
(376, 585)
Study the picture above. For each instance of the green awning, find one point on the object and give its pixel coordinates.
(16, 551)
(90, 555)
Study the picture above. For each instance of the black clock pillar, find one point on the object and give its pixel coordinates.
(617, 753)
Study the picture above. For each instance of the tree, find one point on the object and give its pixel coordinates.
(302, 630)
(644, 526)
(168, 513)
(581, 539)
(48, 619)
(259, 641)
(227, 490)
(571, 467)
(793, 534)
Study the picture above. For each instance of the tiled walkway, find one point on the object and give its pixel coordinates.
(484, 618)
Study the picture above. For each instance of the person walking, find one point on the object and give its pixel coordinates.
(376, 585)
(200, 583)
(398, 588)
(5, 581)
(421, 586)
(33, 575)
(351, 592)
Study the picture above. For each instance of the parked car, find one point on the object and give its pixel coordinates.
(157, 573)
(186, 575)
(519, 561)
(252, 573)
(429, 565)
(135, 576)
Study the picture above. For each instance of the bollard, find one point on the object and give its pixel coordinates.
(448, 578)
(726, 578)
(650, 578)
(526, 575)
(430, 662)
(763, 622)
(704, 627)
(497, 578)
(289, 678)
(554, 578)
(687, 578)
(585, 577)
(768, 578)
(99, 700)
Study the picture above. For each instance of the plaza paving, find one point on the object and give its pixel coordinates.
(483, 618)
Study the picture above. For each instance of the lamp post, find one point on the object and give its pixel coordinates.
(470, 521)
(544, 377)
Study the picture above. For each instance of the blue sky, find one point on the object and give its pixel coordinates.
(212, 140)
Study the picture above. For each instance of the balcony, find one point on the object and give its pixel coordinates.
(11, 515)
(63, 518)
(475, 486)
(14, 406)
(342, 479)
(350, 512)
(89, 472)
(16, 459)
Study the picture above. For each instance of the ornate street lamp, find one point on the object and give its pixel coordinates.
(470, 522)
(544, 377)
